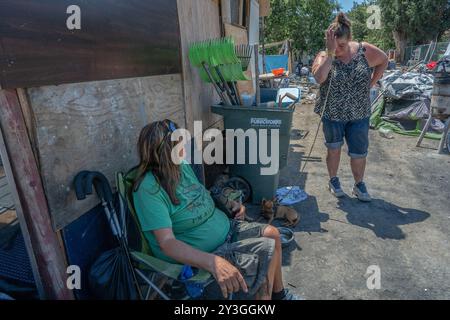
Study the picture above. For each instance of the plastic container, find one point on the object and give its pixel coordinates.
(248, 99)
(278, 72)
(258, 117)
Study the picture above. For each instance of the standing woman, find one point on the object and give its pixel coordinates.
(351, 68)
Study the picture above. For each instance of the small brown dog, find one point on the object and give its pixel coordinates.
(271, 210)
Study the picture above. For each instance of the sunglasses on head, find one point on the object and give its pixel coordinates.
(170, 126)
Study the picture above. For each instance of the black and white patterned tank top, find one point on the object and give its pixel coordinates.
(349, 97)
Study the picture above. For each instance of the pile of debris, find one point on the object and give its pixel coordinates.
(404, 105)
(308, 87)
(408, 85)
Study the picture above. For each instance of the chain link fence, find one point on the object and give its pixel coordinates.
(415, 54)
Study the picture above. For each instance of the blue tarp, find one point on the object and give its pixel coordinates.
(274, 62)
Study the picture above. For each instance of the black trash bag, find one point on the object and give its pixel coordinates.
(111, 277)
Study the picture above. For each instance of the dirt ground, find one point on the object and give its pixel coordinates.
(404, 230)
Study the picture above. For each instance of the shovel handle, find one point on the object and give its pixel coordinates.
(224, 98)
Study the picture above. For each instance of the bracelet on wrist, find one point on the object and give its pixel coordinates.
(330, 54)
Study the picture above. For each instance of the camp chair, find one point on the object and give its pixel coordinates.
(154, 272)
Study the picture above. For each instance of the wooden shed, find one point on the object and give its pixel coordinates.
(74, 97)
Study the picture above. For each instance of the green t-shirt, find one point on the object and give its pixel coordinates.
(195, 221)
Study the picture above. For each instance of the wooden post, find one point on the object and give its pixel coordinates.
(226, 11)
(290, 63)
(263, 40)
(257, 89)
(32, 208)
(29, 121)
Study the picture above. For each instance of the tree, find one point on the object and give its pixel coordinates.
(302, 21)
(358, 15)
(315, 17)
(282, 21)
(414, 21)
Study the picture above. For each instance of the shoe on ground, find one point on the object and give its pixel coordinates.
(287, 295)
(360, 192)
(335, 187)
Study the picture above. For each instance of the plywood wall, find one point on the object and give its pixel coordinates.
(199, 20)
(116, 39)
(94, 126)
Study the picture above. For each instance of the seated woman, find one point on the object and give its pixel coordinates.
(182, 224)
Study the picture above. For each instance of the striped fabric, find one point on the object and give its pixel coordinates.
(349, 97)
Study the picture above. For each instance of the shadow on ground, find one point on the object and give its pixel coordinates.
(380, 216)
(311, 218)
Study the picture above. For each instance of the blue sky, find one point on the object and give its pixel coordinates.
(348, 4)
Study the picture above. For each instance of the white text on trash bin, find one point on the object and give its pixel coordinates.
(265, 122)
(243, 147)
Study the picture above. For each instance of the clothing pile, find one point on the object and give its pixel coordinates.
(405, 104)
(290, 195)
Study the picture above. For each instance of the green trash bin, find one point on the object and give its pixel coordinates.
(242, 117)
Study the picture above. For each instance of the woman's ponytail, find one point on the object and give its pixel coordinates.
(342, 26)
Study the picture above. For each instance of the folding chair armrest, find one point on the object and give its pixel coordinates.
(170, 270)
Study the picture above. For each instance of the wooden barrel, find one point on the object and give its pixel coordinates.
(440, 100)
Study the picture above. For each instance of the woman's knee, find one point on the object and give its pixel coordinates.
(272, 233)
(334, 152)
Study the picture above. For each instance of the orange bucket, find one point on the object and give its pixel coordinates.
(278, 72)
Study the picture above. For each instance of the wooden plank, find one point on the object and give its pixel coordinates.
(274, 44)
(199, 20)
(247, 13)
(271, 76)
(290, 63)
(45, 254)
(238, 33)
(258, 90)
(117, 39)
(241, 12)
(264, 8)
(246, 86)
(226, 11)
(29, 120)
(234, 11)
(253, 38)
(94, 126)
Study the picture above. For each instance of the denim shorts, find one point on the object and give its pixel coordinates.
(355, 132)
